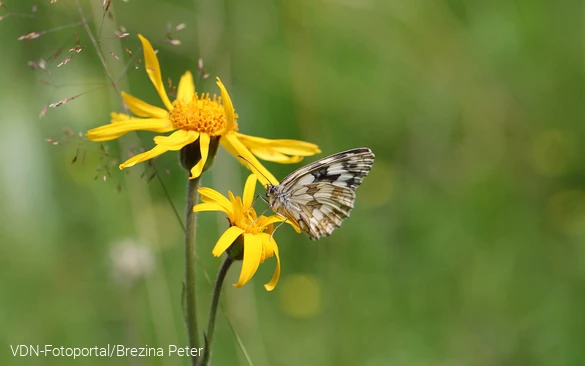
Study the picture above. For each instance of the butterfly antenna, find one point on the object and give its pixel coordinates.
(255, 169)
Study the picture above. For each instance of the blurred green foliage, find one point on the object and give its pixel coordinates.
(466, 246)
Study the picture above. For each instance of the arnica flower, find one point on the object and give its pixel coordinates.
(255, 231)
(194, 118)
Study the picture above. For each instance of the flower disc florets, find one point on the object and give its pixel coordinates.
(202, 114)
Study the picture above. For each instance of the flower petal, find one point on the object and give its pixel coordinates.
(252, 255)
(204, 140)
(186, 89)
(152, 153)
(233, 199)
(227, 239)
(235, 147)
(210, 206)
(227, 106)
(143, 109)
(118, 128)
(265, 221)
(177, 140)
(121, 117)
(272, 284)
(209, 195)
(267, 250)
(288, 147)
(268, 221)
(153, 70)
(269, 154)
(249, 190)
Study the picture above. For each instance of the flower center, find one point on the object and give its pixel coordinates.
(249, 223)
(201, 114)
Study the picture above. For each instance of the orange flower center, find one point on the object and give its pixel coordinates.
(201, 114)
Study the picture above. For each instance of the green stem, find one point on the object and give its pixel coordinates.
(213, 311)
(190, 230)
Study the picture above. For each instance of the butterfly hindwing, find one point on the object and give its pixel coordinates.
(322, 207)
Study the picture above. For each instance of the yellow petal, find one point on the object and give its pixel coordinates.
(119, 128)
(143, 109)
(264, 221)
(273, 155)
(227, 239)
(267, 250)
(121, 117)
(235, 202)
(235, 147)
(211, 195)
(177, 140)
(272, 284)
(210, 206)
(288, 147)
(204, 140)
(249, 190)
(252, 255)
(227, 106)
(250, 211)
(152, 153)
(186, 89)
(153, 70)
(267, 222)
(237, 206)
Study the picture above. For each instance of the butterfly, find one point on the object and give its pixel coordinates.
(319, 196)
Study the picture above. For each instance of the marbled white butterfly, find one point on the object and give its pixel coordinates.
(319, 196)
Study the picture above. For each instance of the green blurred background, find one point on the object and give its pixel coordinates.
(466, 246)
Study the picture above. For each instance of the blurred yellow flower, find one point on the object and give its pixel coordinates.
(194, 118)
(255, 231)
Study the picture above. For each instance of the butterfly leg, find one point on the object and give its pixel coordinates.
(279, 225)
(261, 197)
(254, 202)
(263, 212)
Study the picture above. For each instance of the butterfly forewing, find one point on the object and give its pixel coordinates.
(345, 169)
(319, 196)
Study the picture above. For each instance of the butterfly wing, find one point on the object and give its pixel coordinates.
(319, 208)
(319, 196)
(344, 169)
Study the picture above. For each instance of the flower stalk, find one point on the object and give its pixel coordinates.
(204, 360)
(190, 240)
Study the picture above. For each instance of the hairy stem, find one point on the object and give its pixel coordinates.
(213, 311)
(190, 256)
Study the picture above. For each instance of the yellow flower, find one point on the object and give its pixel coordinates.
(194, 118)
(255, 231)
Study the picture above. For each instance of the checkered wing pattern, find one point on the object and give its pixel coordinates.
(319, 196)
